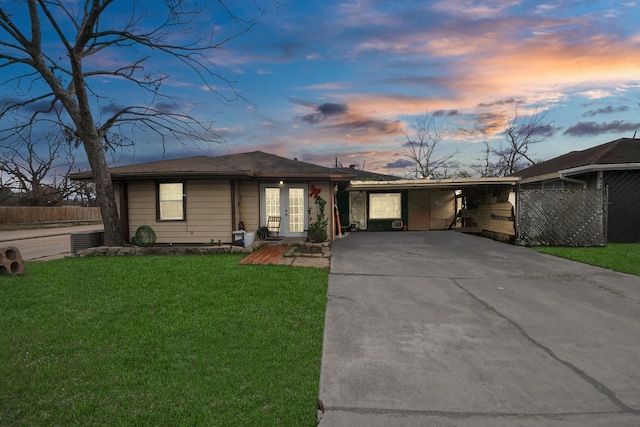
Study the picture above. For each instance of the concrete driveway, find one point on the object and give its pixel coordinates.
(446, 329)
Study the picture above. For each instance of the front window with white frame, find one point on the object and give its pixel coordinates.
(385, 206)
(171, 203)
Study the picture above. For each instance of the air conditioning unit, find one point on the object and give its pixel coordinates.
(396, 223)
(86, 240)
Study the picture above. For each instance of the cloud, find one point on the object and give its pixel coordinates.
(323, 111)
(42, 106)
(446, 113)
(606, 110)
(594, 129)
(331, 109)
(502, 102)
(490, 123)
(340, 116)
(545, 130)
(472, 9)
(400, 163)
(361, 122)
(166, 107)
(325, 86)
(595, 94)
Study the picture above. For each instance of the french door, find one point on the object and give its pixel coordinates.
(289, 202)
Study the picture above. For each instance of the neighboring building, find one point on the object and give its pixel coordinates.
(613, 167)
(203, 199)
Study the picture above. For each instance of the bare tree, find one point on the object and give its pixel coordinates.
(514, 153)
(487, 166)
(421, 145)
(85, 194)
(60, 52)
(6, 194)
(37, 167)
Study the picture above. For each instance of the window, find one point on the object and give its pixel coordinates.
(171, 201)
(385, 206)
(272, 201)
(296, 210)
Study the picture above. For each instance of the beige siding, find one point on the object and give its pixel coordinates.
(208, 212)
(142, 205)
(249, 209)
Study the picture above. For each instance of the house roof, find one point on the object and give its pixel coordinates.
(367, 176)
(249, 165)
(622, 153)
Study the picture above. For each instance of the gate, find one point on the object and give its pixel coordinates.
(575, 217)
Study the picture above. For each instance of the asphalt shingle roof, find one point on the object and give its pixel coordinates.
(359, 174)
(253, 164)
(620, 151)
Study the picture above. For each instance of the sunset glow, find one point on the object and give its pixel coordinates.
(338, 81)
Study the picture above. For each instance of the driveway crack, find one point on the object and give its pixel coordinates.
(600, 387)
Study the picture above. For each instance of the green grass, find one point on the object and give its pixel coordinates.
(161, 341)
(624, 257)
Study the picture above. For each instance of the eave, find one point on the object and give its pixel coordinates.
(199, 175)
(579, 170)
(406, 184)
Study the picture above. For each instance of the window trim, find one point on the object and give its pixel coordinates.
(184, 201)
(370, 210)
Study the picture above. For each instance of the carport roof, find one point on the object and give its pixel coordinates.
(406, 184)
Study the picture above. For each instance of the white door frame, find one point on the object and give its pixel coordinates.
(284, 207)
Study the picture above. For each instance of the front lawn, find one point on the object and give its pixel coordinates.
(183, 340)
(624, 257)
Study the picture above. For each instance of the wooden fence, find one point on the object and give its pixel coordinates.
(489, 213)
(44, 214)
(490, 217)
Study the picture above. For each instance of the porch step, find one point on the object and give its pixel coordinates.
(267, 254)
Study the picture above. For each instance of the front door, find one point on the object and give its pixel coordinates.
(289, 202)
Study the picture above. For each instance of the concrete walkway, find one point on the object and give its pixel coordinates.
(446, 329)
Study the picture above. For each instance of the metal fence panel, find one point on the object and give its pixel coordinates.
(562, 217)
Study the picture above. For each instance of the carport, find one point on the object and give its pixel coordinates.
(474, 205)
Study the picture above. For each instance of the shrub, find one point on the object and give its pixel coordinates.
(318, 228)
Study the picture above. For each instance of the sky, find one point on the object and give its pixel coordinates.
(342, 82)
